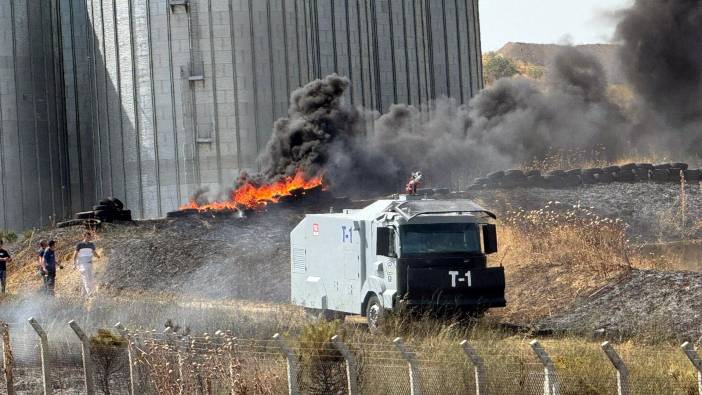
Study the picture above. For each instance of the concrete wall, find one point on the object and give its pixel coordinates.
(161, 100)
(34, 175)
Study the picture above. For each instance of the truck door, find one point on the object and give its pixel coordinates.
(351, 250)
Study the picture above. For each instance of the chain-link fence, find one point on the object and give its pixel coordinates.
(149, 362)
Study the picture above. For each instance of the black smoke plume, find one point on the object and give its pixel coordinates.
(514, 121)
(661, 53)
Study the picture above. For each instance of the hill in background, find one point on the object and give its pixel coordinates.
(533, 59)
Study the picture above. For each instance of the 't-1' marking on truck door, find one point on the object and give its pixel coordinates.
(346, 236)
(467, 278)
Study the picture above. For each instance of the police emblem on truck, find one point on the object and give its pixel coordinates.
(464, 279)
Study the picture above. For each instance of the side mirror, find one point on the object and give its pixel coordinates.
(384, 243)
(490, 238)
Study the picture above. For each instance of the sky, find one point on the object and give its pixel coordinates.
(547, 21)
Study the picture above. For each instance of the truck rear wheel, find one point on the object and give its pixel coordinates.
(374, 314)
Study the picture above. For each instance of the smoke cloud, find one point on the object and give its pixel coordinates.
(661, 53)
(513, 121)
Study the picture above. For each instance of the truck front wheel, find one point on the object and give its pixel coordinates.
(374, 313)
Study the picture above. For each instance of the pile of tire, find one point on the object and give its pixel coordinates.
(630, 172)
(107, 210)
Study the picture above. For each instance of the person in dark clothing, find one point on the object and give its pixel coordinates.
(49, 268)
(40, 257)
(5, 258)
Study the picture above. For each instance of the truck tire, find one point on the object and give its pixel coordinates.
(374, 314)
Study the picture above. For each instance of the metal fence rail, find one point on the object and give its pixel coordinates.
(131, 362)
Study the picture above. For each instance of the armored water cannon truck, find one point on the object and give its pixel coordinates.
(404, 253)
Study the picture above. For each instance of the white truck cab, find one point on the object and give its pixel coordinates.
(408, 252)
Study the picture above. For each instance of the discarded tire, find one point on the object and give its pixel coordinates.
(106, 210)
(536, 181)
(495, 175)
(660, 175)
(641, 174)
(77, 222)
(588, 178)
(532, 173)
(674, 174)
(182, 213)
(662, 166)
(124, 215)
(85, 215)
(627, 175)
(603, 178)
(611, 169)
(628, 166)
(571, 180)
(513, 178)
(118, 203)
(680, 165)
(693, 175)
(572, 172)
(647, 166)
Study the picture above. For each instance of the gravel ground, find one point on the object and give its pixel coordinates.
(646, 302)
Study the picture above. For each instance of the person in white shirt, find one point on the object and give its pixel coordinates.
(83, 261)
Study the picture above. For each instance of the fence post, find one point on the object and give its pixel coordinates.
(622, 371)
(130, 357)
(7, 358)
(551, 386)
(692, 355)
(351, 365)
(293, 368)
(87, 359)
(478, 366)
(44, 349)
(411, 359)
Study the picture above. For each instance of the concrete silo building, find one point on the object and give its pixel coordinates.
(161, 97)
(34, 173)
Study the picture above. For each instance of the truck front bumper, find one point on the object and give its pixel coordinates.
(455, 287)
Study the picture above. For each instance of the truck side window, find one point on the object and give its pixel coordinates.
(385, 242)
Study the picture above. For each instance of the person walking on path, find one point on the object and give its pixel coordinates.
(5, 258)
(49, 267)
(83, 261)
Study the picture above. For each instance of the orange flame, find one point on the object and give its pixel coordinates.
(250, 196)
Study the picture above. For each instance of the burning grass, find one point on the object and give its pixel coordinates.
(251, 195)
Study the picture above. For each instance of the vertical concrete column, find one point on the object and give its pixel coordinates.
(293, 368)
(694, 358)
(478, 367)
(412, 363)
(130, 355)
(351, 365)
(44, 349)
(87, 359)
(551, 386)
(7, 358)
(622, 371)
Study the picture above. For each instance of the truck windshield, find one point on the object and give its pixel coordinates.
(439, 238)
